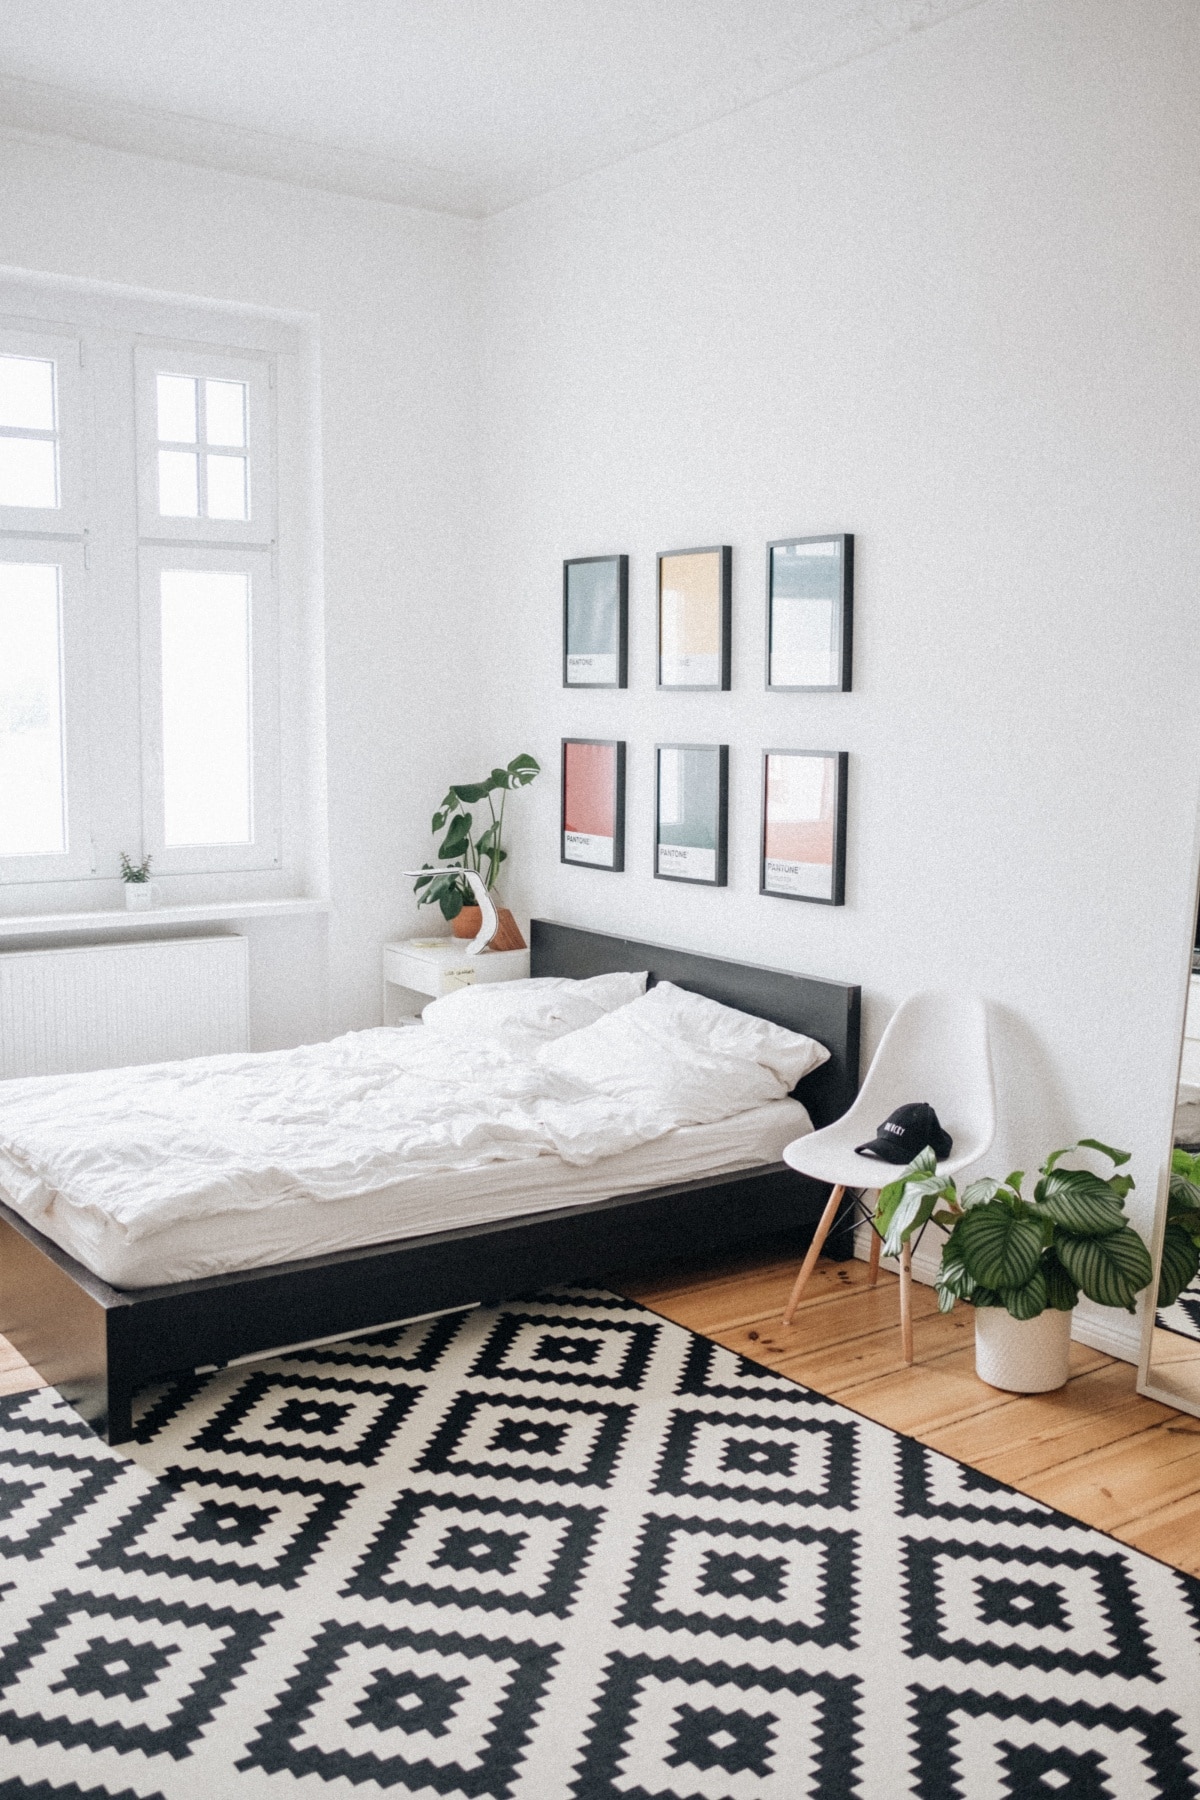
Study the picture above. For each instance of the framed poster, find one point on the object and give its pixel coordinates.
(804, 825)
(593, 802)
(810, 606)
(596, 621)
(691, 813)
(694, 603)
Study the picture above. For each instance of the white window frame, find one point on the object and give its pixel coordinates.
(264, 851)
(154, 359)
(67, 518)
(100, 336)
(75, 647)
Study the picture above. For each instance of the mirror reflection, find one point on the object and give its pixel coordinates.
(1171, 1361)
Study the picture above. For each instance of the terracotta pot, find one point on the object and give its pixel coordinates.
(1022, 1356)
(466, 923)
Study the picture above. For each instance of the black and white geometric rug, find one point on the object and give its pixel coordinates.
(561, 1551)
(1184, 1316)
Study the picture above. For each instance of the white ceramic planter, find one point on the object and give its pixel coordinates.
(1022, 1356)
(139, 896)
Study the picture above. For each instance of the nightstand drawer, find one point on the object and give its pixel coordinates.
(437, 966)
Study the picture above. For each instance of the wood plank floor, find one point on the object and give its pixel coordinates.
(1096, 1449)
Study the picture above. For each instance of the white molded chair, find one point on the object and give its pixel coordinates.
(935, 1049)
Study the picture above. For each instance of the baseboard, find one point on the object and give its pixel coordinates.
(1100, 1328)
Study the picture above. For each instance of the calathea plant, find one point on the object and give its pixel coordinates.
(1181, 1235)
(1019, 1251)
(465, 848)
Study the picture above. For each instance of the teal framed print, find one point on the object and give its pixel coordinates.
(810, 613)
(596, 622)
(804, 825)
(691, 813)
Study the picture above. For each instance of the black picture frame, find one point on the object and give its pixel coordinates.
(610, 600)
(604, 806)
(711, 655)
(701, 810)
(829, 615)
(827, 820)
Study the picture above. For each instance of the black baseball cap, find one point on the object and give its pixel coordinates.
(906, 1132)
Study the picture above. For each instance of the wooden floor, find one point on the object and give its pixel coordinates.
(1095, 1449)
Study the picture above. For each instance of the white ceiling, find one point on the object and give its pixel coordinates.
(467, 106)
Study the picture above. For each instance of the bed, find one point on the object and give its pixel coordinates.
(97, 1341)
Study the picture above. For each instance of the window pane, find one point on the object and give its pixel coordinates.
(225, 413)
(177, 409)
(32, 812)
(178, 495)
(206, 706)
(28, 472)
(27, 393)
(226, 487)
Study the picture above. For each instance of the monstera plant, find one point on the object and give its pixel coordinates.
(464, 847)
(1027, 1252)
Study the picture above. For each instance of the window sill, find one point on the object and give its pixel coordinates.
(32, 925)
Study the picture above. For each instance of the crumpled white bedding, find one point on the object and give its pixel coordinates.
(228, 1135)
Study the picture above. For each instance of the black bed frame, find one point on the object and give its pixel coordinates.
(98, 1344)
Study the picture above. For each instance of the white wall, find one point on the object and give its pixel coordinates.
(394, 292)
(943, 298)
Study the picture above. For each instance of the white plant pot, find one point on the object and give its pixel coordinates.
(1022, 1356)
(139, 896)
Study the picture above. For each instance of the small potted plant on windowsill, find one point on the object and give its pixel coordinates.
(484, 851)
(1022, 1262)
(139, 889)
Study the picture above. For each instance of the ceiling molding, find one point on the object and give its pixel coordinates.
(172, 137)
(517, 163)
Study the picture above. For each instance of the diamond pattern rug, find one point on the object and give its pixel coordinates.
(1184, 1316)
(563, 1550)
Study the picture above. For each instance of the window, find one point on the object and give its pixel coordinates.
(143, 587)
(33, 818)
(28, 432)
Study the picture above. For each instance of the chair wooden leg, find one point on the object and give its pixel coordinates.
(906, 1330)
(873, 1258)
(814, 1250)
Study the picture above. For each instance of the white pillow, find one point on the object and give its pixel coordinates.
(537, 1011)
(674, 1048)
(690, 1018)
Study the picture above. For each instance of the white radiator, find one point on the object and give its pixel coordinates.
(102, 1006)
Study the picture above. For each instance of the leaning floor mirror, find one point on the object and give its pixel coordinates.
(1170, 1366)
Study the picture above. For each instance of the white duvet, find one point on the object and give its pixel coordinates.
(147, 1147)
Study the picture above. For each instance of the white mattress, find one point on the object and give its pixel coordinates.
(218, 1242)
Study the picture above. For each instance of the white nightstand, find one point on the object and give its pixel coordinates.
(420, 969)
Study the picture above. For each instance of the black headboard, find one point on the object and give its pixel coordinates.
(825, 1010)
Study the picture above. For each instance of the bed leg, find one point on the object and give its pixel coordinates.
(118, 1427)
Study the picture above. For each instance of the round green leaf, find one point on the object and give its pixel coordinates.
(1001, 1248)
(1061, 1292)
(1111, 1270)
(1028, 1301)
(1081, 1203)
(1180, 1262)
